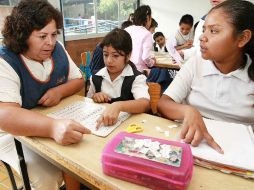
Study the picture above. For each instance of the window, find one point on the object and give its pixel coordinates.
(94, 17)
(5, 9)
(86, 18)
(9, 2)
(78, 17)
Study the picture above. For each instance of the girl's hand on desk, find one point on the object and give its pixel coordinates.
(110, 115)
(51, 98)
(65, 131)
(194, 130)
(101, 97)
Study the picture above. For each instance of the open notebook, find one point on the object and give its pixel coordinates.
(86, 113)
(236, 140)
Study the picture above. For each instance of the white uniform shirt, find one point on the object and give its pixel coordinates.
(113, 88)
(10, 82)
(226, 97)
(161, 50)
(182, 39)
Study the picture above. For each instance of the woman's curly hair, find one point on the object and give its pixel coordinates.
(27, 16)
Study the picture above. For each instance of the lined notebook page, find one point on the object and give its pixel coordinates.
(236, 140)
(86, 113)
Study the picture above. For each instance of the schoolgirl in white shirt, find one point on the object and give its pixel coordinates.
(119, 83)
(220, 84)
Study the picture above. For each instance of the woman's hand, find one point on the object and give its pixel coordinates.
(51, 98)
(101, 97)
(110, 115)
(194, 130)
(65, 131)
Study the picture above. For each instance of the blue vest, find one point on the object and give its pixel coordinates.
(126, 93)
(31, 89)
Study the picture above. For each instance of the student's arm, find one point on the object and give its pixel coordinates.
(180, 47)
(186, 45)
(170, 106)
(140, 104)
(193, 127)
(112, 111)
(22, 122)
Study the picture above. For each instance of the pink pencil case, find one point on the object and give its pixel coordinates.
(151, 162)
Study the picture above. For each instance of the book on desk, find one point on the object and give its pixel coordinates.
(236, 140)
(87, 112)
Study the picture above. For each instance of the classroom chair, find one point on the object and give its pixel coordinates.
(155, 94)
(86, 58)
(11, 176)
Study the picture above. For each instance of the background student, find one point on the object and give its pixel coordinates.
(141, 38)
(184, 35)
(205, 86)
(187, 53)
(126, 24)
(162, 76)
(131, 16)
(159, 42)
(35, 69)
(97, 62)
(153, 26)
(119, 83)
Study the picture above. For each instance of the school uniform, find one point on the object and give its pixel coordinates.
(113, 89)
(161, 76)
(142, 46)
(182, 39)
(159, 49)
(226, 97)
(24, 81)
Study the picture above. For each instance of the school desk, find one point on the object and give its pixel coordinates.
(83, 160)
(164, 60)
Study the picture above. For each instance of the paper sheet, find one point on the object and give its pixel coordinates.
(235, 139)
(86, 113)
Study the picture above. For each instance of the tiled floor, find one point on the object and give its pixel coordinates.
(4, 178)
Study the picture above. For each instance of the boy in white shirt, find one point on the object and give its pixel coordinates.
(184, 35)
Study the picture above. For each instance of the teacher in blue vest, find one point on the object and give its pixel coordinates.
(35, 69)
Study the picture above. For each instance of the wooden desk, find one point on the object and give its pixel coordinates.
(164, 60)
(83, 160)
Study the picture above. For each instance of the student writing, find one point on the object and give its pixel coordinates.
(184, 35)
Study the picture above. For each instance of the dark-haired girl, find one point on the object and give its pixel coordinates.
(119, 83)
(141, 38)
(220, 84)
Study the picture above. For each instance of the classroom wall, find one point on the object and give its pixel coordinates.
(168, 12)
(58, 6)
(76, 47)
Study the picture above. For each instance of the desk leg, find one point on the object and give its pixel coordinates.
(22, 165)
